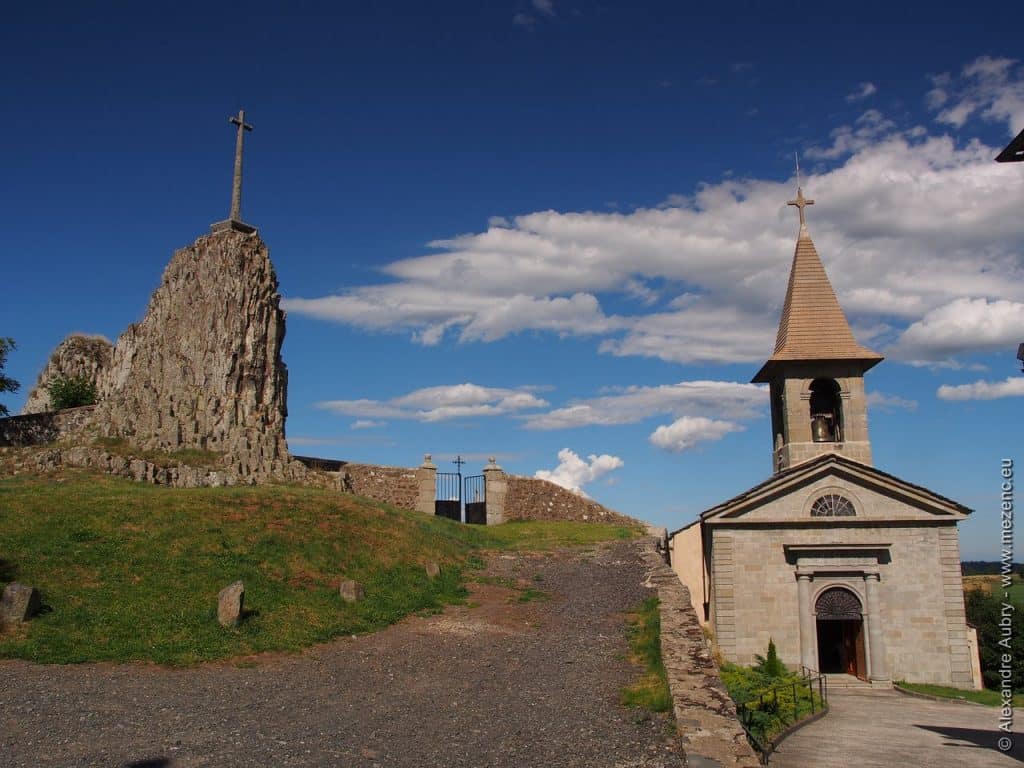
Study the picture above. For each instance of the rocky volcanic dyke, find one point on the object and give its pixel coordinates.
(203, 369)
(77, 356)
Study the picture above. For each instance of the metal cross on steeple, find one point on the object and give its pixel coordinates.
(236, 187)
(801, 202)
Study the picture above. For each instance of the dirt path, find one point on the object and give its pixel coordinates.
(496, 683)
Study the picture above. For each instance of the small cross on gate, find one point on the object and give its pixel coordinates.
(458, 461)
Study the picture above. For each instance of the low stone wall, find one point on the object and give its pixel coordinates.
(705, 715)
(397, 486)
(529, 498)
(133, 468)
(43, 428)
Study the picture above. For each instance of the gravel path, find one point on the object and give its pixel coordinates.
(495, 683)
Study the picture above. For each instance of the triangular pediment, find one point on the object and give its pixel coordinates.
(876, 497)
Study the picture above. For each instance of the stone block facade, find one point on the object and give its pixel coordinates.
(909, 557)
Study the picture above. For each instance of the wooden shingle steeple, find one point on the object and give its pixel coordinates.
(815, 375)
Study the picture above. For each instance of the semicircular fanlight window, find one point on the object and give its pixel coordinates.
(836, 604)
(832, 505)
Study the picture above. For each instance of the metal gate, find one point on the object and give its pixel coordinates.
(448, 500)
(476, 500)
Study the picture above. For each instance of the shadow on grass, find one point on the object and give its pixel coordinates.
(150, 762)
(8, 570)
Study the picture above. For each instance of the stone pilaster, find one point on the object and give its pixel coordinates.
(496, 487)
(879, 668)
(426, 480)
(808, 628)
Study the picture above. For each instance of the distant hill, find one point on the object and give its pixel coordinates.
(987, 568)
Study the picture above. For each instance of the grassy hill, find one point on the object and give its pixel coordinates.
(131, 571)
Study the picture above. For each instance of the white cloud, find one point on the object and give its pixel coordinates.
(886, 402)
(983, 390)
(547, 7)
(441, 403)
(367, 424)
(573, 472)
(906, 221)
(523, 20)
(987, 87)
(962, 326)
(634, 404)
(686, 432)
(864, 90)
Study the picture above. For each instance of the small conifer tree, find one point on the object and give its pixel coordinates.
(770, 664)
(71, 392)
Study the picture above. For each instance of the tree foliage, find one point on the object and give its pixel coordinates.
(7, 384)
(1000, 626)
(71, 392)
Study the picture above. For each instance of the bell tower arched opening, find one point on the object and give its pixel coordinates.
(826, 411)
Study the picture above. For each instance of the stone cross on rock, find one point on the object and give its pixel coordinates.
(801, 202)
(236, 187)
(234, 221)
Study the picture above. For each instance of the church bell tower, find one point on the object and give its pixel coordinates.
(816, 374)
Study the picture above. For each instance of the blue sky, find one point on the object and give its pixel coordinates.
(551, 231)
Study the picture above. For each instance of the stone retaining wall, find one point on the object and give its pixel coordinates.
(705, 715)
(529, 498)
(43, 428)
(397, 486)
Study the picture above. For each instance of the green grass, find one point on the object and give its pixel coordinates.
(530, 595)
(988, 698)
(129, 571)
(651, 691)
(1015, 593)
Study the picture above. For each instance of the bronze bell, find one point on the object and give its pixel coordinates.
(821, 432)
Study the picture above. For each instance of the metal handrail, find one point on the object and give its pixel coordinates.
(809, 680)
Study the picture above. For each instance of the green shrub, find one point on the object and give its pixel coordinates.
(71, 392)
(770, 665)
(768, 696)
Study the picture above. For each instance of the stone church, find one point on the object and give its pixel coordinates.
(849, 569)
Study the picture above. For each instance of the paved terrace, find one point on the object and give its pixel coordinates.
(888, 729)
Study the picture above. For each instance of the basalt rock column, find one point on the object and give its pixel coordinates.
(203, 369)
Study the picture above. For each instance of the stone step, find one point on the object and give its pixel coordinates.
(836, 681)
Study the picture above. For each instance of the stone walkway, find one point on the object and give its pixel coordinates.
(889, 729)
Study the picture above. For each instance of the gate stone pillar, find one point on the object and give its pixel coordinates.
(426, 482)
(879, 672)
(808, 628)
(495, 488)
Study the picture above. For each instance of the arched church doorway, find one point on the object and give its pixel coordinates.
(840, 633)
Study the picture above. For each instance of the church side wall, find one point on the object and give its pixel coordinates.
(687, 558)
(921, 608)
